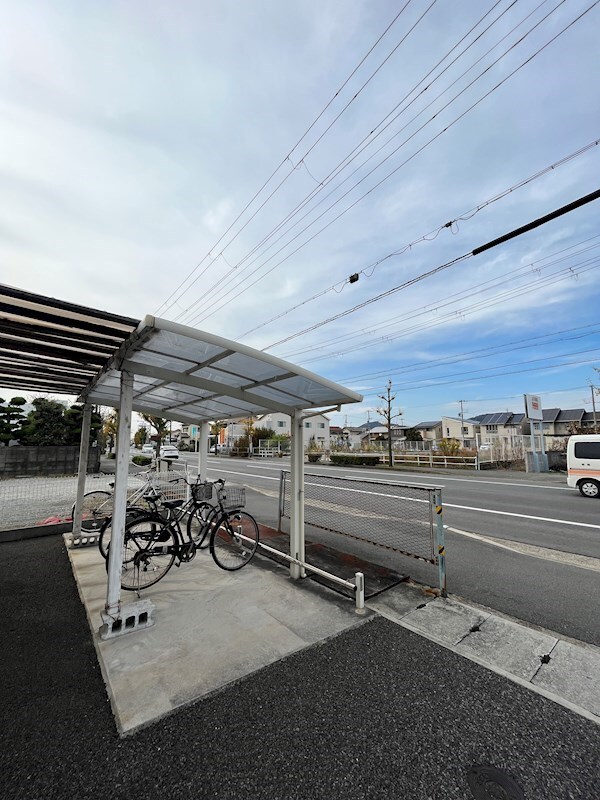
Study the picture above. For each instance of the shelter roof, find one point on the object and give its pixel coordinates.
(188, 375)
(48, 345)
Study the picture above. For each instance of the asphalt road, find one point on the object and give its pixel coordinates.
(539, 559)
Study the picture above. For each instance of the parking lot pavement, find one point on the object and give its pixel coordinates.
(564, 670)
(377, 711)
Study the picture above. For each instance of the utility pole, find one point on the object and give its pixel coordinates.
(462, 423)
(593, 389)
(386, 412)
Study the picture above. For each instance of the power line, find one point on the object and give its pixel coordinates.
(276, 170)
(341, 164)
(506, 237)
(469, 355)
(234, 290)
(431, 235)
(434, 307)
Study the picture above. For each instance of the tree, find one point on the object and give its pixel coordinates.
(388, 416)
(12, 419)
(74, 422)
(110, 426)
(413, 435)
(140, 437)
(45, 425)
(260, 433)
(160, 425)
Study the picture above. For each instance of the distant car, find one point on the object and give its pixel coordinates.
(168, 451)
(149, 449)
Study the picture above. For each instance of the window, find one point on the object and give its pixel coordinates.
(491, 428)
(321, 425)
(447, 431)
(587, 450)
(308, 424)
(281, 423)
(465, 431)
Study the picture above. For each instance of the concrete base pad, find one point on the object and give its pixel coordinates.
(211, 628)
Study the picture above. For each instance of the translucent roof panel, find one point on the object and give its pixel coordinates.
(192, 376)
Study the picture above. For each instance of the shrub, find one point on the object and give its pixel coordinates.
(141, 461)
(111, 455)
(314, 457)
(354, 459)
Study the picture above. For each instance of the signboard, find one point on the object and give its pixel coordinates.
(533, 407)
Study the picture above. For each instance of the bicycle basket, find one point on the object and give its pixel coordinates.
(202, 491)
(232, 497)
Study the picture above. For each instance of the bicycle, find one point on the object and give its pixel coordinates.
(196, 507)
(153, 542)
(98, 504)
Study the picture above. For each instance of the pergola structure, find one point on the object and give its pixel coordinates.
(160, 368)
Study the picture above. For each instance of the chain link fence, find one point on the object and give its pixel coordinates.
(399, 517)
(29, 502)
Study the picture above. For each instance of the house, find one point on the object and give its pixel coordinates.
(430, 431)
(464, 430)
(315, 427)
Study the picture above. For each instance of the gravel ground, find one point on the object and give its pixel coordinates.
(376, 712)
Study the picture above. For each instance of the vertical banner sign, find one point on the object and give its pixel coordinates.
(533, 407)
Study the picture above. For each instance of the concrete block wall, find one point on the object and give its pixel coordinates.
(20, 460)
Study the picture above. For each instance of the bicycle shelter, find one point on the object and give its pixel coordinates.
(179, 373)
(157, 367)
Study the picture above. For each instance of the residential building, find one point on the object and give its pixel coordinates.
(464, 430)
(430, 431)
(314, 427)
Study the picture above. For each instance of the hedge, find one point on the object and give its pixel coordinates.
(359, 459)
(141, 461)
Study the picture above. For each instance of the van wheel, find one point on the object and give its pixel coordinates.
(589, 488)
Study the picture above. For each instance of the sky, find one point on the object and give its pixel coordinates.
(230, 165)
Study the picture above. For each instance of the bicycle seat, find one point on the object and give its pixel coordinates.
(173, 503)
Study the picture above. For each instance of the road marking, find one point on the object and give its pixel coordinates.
(245, 474)
(446, 505)
(524, 516)
(545, 553)
(426, 477)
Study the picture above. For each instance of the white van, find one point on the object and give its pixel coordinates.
(583, 464)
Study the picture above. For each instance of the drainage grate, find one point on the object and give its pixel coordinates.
(489, 783)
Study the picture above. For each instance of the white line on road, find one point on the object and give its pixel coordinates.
(424, 476)
(450, 505)
(523, 516)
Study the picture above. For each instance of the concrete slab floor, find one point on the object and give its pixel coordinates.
(212, 627)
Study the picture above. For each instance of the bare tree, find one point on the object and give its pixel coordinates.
(387, 413)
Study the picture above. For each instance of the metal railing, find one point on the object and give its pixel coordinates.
(396, 516)
(30, 502)
(433, 459)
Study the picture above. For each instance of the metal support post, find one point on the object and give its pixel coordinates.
(359, 582)
(84, 446)
(297, 496)
(203, 451)
(115, 559)
(281, 498)
(440, 541)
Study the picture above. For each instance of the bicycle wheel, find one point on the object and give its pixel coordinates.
(97, 506)
(149, 551)
(199, 524)
(234, 540)
(106, 529)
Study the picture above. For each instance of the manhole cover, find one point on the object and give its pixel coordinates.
(489, 783)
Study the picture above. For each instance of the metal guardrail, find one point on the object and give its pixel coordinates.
(400, 517)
